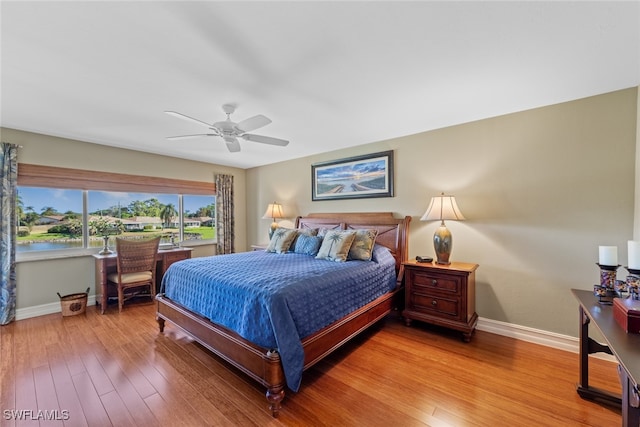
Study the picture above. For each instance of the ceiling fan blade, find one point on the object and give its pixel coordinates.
(191, 136)
(191, 119)
(265, 139)
(232, 144)
(252, 123)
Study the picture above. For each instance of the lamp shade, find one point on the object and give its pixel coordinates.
(442, 207)
(274, 211)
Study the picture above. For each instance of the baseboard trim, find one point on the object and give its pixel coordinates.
(43, 309)
(536, 336)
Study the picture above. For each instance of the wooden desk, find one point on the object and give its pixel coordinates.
(106, 264)
(625, 347)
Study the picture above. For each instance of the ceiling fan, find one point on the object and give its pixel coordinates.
(230, 131)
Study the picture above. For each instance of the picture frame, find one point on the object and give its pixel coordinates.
(357, 177)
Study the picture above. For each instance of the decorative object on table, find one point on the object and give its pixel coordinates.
(442, 207)
(606, 289)
(608, 263)
(608, 255)
(356, 177)
(171, 244)
(105, 227)
(633, 279)
(105, 250)
(274, 211)
(627, 314)
(633, 283)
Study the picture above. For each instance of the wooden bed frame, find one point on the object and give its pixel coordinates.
(264, 364)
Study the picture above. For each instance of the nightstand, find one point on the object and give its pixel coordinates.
(443, 295)
(259, 247)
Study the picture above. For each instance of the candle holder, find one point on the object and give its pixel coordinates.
(606, 290)
(633, 283)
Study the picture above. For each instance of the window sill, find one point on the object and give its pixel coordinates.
(56, 254)
(196, 243)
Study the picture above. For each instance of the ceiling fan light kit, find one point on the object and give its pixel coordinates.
(230, 131)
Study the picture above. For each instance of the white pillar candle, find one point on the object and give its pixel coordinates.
(634, 254)
(608, 255)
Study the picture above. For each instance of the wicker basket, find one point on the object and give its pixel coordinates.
(74, 304)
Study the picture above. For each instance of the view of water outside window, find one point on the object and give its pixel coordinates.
(51, 219)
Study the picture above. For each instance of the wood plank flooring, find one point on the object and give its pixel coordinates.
(118, 370)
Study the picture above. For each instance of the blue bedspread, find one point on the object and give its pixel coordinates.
(275, 300)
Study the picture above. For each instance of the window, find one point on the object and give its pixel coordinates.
(63, 218)
(199, 217)
(49, 219)
(134, 214)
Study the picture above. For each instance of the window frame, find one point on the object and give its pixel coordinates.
(30, 175)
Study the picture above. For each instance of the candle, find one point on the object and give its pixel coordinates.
(608, 255)
(634, 254)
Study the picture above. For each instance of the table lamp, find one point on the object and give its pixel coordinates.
(274, 211)
(442, 207)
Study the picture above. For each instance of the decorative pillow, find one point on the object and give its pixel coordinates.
(307, 245)
(335, 245)
(380, 252)
(301, 232)
(362, 245)
(281, 240)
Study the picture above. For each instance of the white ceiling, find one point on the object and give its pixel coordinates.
(329, 74)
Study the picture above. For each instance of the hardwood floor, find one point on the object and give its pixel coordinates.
(117, 369)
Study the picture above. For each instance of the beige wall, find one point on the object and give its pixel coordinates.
(38, 281)
(540, 189)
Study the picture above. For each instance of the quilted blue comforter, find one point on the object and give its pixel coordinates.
(275, 300)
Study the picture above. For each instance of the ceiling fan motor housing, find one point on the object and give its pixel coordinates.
(227, 127)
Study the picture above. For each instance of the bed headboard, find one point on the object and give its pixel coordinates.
(392, 232)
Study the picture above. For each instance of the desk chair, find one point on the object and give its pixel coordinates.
(136, 261)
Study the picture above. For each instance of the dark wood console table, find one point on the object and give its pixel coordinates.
(624, 346)
(106, 264)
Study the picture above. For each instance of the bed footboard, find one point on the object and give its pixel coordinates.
(263, 365)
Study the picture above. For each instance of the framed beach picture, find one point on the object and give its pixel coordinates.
(357, 177)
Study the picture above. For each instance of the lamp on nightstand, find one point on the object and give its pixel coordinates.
(442, 207)
(274, 211)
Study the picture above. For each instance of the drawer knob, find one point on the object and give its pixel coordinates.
(434, 303)
(434, 282)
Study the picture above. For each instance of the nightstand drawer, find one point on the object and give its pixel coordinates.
(429, 281)
(435, 304)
